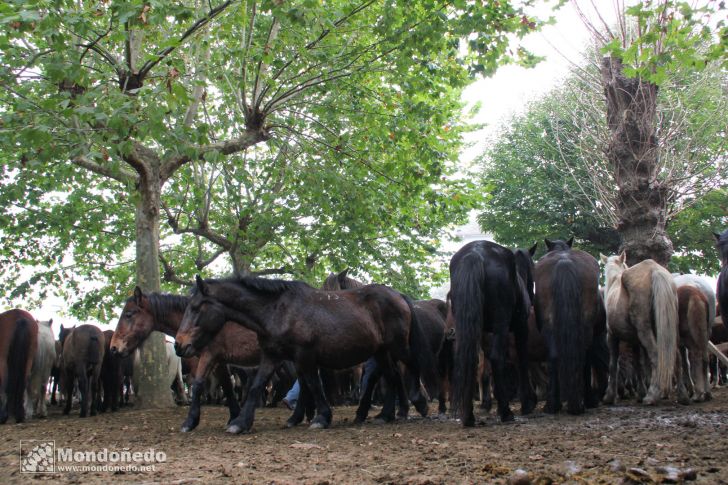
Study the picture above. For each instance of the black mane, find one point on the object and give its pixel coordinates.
(162, 304)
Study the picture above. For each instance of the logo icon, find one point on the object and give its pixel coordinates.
(37, 456)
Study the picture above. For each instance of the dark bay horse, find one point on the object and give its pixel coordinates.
(488, 294)
(570, 313)
(431, 314)
(83, 353)
(18, 346)
(721, 242)
(312, 328)
(145, 312)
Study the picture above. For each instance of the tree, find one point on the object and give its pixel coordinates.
(650, 44)
(121, 96)
(545, 175)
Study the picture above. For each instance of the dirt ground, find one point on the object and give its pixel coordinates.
(626, 443)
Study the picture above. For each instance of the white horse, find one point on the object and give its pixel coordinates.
(704, 286)
(45, 357)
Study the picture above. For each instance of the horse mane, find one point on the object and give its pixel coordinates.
(269, 286)
(162, 304)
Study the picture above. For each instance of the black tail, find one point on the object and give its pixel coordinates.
(467, 297)
(17, 362)
(569, 332)
(424, 363)
(93, 355)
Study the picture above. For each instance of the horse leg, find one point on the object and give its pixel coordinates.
(687, 368)
(649, 345)
(485, 373)
(498, 362)
(302, 404)
(370, 377)
(526, 394)
(613, 345)
(223, 375)
(681, 377)
(553, 397)
(394, 385)
(3, 391)
(68, 378)
(323, 416)
(95, 390)
(203, 370)
(244, 421)
(83, 389)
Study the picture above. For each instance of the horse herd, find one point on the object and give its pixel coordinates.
(533, 326)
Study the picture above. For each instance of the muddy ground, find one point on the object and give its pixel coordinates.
(624, 443)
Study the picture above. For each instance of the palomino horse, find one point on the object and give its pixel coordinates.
(83, 353)
(45, 358)
(570, 313)
(642, 309)
(694, 327)
(18, 343)
(145, 312)
(313, 328)
(488, 294)
(722, 288)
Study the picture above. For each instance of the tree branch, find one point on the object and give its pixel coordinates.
(120, 175)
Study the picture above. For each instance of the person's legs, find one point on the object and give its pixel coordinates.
(292, 395)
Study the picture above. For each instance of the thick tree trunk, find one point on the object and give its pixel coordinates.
(154, 390)
(632, 151)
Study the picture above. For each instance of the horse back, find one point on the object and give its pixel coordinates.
(693, 319)
(84, 347)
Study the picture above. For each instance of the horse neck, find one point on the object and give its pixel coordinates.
(251, 315)
(613, 278)
(168, 320)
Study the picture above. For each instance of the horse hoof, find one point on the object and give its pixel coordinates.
(468, 422)
(316, 425)
(185, 429)
(359, 420)
(290, 424)
(649, 401)
(507, 418)
(234, 429)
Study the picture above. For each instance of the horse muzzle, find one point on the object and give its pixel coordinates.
(184, 350)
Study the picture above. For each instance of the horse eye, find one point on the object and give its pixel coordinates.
(129, 314)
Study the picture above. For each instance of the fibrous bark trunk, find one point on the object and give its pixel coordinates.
(154, 390)
(632, 152)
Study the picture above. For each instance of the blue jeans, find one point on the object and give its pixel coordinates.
(293, 392)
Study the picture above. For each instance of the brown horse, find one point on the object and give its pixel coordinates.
(694, 326)
(570, 314)
(313, 328)
(18, 345)
(83, 353)
(145, 312)
(642, 309)
(721, 242)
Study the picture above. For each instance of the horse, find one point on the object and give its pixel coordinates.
(18, 343)
(83, 353)
(111, 375)
(312, 328)
(570, 314)
(56, 373)
(45, 358)
(721, 242)
(145, 312)
(694, 325)
(701, 284)
(642, 309)
(488, 294)
(431, 314)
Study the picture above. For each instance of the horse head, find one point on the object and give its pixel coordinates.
(614, 266)
(64, 333)
(135, 324)
(558, 244)
(202, 320)
(525, 267)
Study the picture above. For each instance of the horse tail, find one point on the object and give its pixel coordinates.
(93, 356)
(468, 301)
(424, 361)
(568, 331)
(664, 311)
(17, 365)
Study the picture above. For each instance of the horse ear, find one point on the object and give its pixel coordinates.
(603, 258)
(570, 241)
(532, 250)
(549, 244)
(202, 286)
(50, 322)
(138, 294)
(342, 276)
(623, 257)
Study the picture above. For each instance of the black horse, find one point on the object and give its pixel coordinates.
(722, 288)
(488, 294)
(571, 315)
(312, 328)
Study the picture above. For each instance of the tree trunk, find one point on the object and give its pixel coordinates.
(632, 152)
(154, 390)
